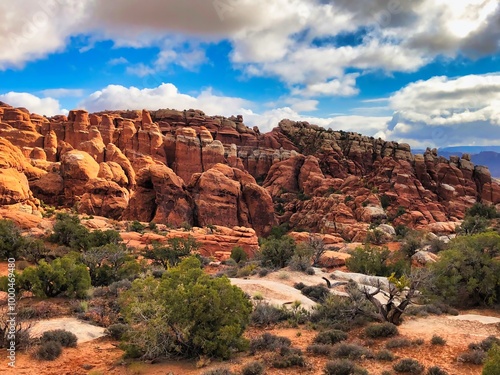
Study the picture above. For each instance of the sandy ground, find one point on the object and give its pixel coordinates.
(477, 318)
(273, 292)
(84, 331)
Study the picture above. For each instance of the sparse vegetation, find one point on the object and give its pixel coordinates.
(65, 338)
(330, 337)
(170, 254)
(437, 340)
(381, 330)
(343, 367)
(409, 366)
(253, 368)
(351, 351)
(277, 252)
(492, 364)
(49, 350)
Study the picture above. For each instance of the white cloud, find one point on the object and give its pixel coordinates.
(164, 96)
(448, 111)
(61, 93)
(345, 86)
(294, 40)
(118, 61)
(45, 106)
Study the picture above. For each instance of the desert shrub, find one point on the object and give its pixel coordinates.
(385, 355)
(310, 271)
(63, 337)
(230, 262)
(370, 260)
(279, 231)
(136, 226)
(385, 201)
(269, 342)
(265, 314)
(170, 254)
(398, 342)
(299, 263)
(381, 330)
(437, 340)
(219, 371)
(317, 293)
(300, 285)
(263, 272)
(476, 357)
(277, 252)
(49, 350)
(320, 349)
(253, 368)
(330, 337)
(11, 240)
(467, 274)
(338, 311)
(412, 242)
(433, 309)
(436, 245)
(351, 351)
(436, 370)
(483, 210)
(117, 331)
(246, 270)
(187, 313)
(485, 344)
(238, 254)
(418, 342)
(108, 263)
(343, 367)
(68, 231)
(61, 276)
(492, 364)
(33, 250)
(409, 366)
(288, 357)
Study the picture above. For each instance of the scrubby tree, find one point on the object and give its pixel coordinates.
(468, 273)
(187, 313)
(11, 240)
(238, 254)
(477, 219)
(173, 252)
(375, 261)
(106, 263)
(63, 276)
(277, 252)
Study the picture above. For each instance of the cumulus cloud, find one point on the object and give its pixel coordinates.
(448, 111)
(164, 96)
(298, 41)
(42, 106)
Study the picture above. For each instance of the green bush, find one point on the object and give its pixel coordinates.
(485, 344)
(253, 368)
(265, 314)
(69, 232)
(483, 210)
(476, 357)
(398, 342)
(277, 252)
(11, 240)
(107, 264)
(381, 330)
(187, 313)
(492, 365)
(320, 349)
(219, 371)
(238, 254)
(467, 274)
(436, 370)
(49, 350)
(136, 226)
(385, 355)
(63, 337)
(317, 293)
(371, 260)
(63, 276)
(409, 366)
(269, 342)
(117, 331)
(351, 351)
(331, 337)
(171, 254)
(437, 340)
(288, 357)
(343, 367)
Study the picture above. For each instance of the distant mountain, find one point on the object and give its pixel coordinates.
(480, 155)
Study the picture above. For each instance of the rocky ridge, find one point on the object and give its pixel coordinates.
(177, 167)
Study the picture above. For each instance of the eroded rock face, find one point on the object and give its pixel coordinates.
(228, 196)
(161, 196)
(180, 167)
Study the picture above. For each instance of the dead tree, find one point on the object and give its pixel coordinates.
(399, 296)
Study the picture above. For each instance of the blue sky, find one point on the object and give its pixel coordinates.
(426, 72)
